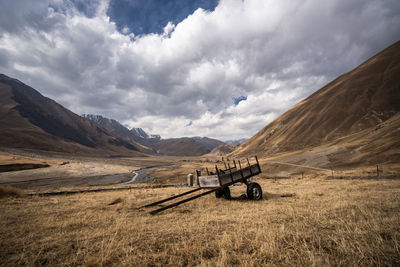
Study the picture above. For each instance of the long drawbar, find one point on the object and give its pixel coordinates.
(179, 202)
(170, 198)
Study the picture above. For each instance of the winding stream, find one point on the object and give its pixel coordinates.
(138, 177)
(142, 177)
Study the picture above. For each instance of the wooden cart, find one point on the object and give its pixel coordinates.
(218, 181)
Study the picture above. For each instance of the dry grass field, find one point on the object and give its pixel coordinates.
(299, 222)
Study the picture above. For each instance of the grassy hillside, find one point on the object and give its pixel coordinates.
(359, 102)
(221, 150)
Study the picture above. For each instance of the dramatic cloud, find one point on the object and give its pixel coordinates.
(223, 73)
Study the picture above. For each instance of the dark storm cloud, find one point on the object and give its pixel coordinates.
(189, 71)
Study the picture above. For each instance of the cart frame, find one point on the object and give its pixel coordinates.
(219, 183)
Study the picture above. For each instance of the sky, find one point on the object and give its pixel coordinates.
(222, 69)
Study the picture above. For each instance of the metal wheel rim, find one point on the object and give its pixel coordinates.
(256, 192)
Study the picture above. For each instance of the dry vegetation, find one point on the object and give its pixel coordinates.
(271, 168)
(324, 222)
(182, 167)
(8, 191)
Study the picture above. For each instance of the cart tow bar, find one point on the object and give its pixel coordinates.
(179, 202)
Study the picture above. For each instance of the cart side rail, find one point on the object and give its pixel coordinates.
(209, 181)
(226, 178)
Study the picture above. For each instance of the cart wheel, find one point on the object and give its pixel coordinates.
(219, 193)
(254, 191)
(227, 193)
(223, 192)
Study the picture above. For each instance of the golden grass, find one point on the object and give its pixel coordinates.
(8, 158)
(325, 222)
(172, 176)
(272, 170)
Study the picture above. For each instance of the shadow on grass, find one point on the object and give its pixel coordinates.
(266, 196)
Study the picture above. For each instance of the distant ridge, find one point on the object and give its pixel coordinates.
(235, 142)
(118, 130)
(184, 146)
(363, 101)
(141, 133)
(222, 150)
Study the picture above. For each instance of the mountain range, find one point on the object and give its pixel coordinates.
(153, 144)
(30, 120)
(134, 136)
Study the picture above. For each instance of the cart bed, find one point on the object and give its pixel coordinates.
(229, 176)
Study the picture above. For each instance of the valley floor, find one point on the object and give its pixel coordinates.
(299, 222)
(70, 171)
(67, 171)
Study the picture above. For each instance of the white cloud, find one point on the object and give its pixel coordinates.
(273, 52)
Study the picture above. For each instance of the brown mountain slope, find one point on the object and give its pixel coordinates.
(30, 120)
(221, 150)
(118, 130)
(185, 146)
(356, 101)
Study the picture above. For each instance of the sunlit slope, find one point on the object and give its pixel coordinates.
(355, 103)
(221, 150)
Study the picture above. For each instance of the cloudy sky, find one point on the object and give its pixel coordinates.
(222, 69)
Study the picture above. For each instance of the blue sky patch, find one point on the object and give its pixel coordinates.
(237, 100)
(151, 16)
